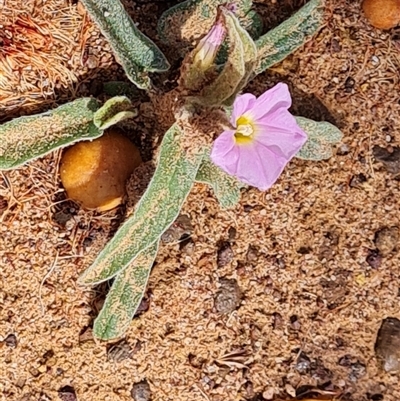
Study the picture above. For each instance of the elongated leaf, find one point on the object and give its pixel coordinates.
(125, 296)
(321, 136)
(226, 188)
(156, 211)
(286, 38)
(113, 111)
(27, 138)
(135, 51)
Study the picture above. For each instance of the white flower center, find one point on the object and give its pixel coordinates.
(245, 129)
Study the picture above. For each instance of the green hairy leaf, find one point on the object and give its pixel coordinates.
(156, 211)
(27, 138)
(125, 296)
(321, 136)
(293, 33)
(113, 111)
(253, 24)
(226, 188)
(249, 58)
(135, 51)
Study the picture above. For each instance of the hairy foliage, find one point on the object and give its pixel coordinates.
(129, 256)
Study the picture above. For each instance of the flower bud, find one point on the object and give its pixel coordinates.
(207, 49)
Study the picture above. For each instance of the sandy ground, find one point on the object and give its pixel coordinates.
(281, 295)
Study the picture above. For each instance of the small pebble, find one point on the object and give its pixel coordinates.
(343, 149)
(252, 254)
(141, 391)
(181, 227)
(143, 306)
(357, 180)
(86, 335)
(277, 321)
(375, 60)
(387, 346)
(232, 233)
(294, 323)
(268, 394)
(11, 341)
(290, 390)
(92, 62)
(358, 370)
(228, 297)
(20, 382)
(345, 361)
(303, 363)
(34, 372)
(386, 240)
(196, 361)
(225, 254)
(390, 159)
(67, 393)
(374, 259)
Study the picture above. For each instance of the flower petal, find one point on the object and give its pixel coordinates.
(276, 139)
(259, 167)
(225, 152)
(271, 100)
(242, 104)
(281, 134)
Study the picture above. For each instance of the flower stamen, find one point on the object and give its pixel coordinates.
(245, 130)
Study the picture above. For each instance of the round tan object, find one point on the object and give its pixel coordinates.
(382, 14)
(94, 173)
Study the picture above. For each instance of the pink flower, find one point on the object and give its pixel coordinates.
(265, 139)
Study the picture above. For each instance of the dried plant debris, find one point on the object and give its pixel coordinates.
(390, 159)
(43, 52)
(239, 359)
(387, 346)
(119, 352)
(3, 204)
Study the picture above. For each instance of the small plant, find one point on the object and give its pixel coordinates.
(211, 141)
